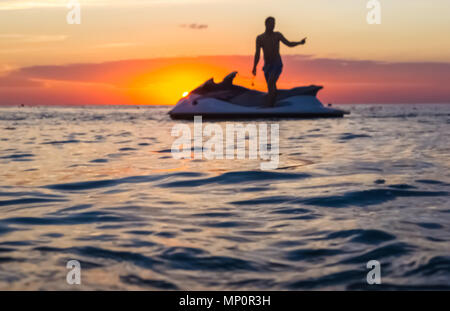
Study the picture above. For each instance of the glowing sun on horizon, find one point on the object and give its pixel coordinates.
(185, 94)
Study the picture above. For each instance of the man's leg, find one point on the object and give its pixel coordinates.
(272, 87)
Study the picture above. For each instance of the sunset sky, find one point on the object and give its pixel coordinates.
(151, 51)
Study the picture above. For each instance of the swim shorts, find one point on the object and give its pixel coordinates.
(273, 69)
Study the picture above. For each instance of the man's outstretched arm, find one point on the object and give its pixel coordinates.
(289, 43)
(257, 56)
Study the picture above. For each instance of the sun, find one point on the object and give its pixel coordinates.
(185, 94)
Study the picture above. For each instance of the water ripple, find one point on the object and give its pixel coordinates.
(99, 185)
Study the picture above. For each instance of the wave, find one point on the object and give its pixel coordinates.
(240, 177)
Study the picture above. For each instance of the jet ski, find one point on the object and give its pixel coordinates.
(225, 100)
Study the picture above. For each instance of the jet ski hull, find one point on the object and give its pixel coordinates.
(233, 116)
(298, 107)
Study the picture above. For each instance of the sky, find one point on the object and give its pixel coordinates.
(174, 45)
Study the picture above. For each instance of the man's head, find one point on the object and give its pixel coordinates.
(270, 24)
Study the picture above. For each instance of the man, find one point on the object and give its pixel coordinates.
(269, 41)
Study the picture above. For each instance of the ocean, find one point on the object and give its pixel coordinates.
(100, 185)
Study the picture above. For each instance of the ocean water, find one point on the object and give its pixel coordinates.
(99, 185)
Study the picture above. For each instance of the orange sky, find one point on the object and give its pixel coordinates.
(165, 46)
(164, 80)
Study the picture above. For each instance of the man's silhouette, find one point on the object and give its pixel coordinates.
(269, 41)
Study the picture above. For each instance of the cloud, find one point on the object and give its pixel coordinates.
(11, 77)
(162, 80)
(25, 38)
(117, 45)
(4, 68)
(12, 82)
(194, 26)
(13, 5)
